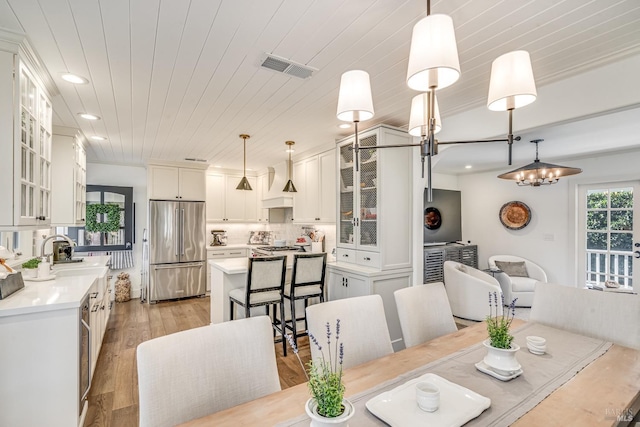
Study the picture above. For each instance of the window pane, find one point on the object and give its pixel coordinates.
(622, 242)
(114, 238)
(93, 197)
(622, 198)
(597, 220)
(597, 199)
(114, 198)
(597, 241)
(622, 220)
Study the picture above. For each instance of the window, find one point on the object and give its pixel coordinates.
(607, 221)
(112, 240)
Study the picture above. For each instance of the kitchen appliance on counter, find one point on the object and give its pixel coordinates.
(63, 252)
(218, 238)
(177, 250)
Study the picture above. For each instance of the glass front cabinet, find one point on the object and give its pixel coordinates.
(374, 202)
(26, 111)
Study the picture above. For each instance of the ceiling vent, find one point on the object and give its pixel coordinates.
(192, 159)
(286, 66)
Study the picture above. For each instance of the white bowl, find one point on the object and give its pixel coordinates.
(537, 341)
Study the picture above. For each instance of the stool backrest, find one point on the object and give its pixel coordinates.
(266, 274)
(308, 270)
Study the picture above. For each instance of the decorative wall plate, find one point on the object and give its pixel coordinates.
(515, 215)
(432, 218)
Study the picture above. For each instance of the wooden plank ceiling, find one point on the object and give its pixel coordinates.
(173, 79)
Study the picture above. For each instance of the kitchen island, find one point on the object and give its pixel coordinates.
(42, 342)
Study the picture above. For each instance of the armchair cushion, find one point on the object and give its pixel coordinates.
(513, 269)
(523, 284)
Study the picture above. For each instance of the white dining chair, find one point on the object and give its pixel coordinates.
(363, 328)
(193, 373)
(424, 313)
(606, 315)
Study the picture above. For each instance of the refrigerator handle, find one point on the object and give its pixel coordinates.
(177, 231)
(182, 231)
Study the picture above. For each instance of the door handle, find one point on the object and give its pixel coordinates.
(637, 254)
(177, 233)
(637, 245)
(182, 231)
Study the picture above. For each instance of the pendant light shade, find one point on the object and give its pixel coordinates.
(433, 58)
(512, 84)
(355, 103)
(539, 173)
(244, 182)
(419, 118)
(289, 187)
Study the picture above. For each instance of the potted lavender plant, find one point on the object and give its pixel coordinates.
(501, 350)
(327, 405)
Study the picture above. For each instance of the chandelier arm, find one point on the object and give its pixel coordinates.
(474, 141)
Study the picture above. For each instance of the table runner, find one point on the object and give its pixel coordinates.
(567, 354)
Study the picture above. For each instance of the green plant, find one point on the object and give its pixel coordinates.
(325, 374)
(498, 325)
(32, 263)
(112, 222)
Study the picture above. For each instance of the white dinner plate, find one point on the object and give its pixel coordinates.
(398, 407)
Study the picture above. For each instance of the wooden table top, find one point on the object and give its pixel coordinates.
(607, 388)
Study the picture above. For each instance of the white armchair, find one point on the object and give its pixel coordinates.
(468, 290)
(521, 282)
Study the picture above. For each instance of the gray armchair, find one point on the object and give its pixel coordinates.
(517, 280)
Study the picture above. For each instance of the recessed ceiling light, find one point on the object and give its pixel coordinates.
(217, 166)
(98, 138)
(75, 79)
(344, 125)
(468, 167)
(249, 169)
(89, 116)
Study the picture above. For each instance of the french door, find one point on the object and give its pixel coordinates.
(609, 233)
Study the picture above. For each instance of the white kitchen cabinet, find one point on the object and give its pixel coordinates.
(262, 191)
(69, 178)
(226, 204)
(25, 129)
(314, 178)
(171, 182)
(374, 202)
(346, 281)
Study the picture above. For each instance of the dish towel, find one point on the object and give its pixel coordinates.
(120, 260)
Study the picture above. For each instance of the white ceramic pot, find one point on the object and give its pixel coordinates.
(502, 360)
(30, 272)
(318, 420)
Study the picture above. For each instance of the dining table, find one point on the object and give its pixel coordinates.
(604, 392)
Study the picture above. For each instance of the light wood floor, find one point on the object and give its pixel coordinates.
(113, 398)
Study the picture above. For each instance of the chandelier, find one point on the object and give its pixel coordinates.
(539, 173)
(434, 65)
(244, 182)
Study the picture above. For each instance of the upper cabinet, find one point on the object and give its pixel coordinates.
(264, 181)
(226, 204)
(69, 178)
(374, 200)
(173, 182)
(315, 180)
(25, 135)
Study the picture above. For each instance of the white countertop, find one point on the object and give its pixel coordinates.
(57, 294)
(223, 247)
(234, 265)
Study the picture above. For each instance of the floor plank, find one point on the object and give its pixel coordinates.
(113, 398)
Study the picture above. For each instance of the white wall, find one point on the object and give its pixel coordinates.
(549, 239)
(126, 176)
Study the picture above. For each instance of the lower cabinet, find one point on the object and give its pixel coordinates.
(434, 258)
(346, 281)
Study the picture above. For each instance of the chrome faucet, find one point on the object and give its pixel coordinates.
(44, 242)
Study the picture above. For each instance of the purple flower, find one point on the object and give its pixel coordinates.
(341, 353)
(337, 329)
(328, 334)
(314, 340)
(291, 343)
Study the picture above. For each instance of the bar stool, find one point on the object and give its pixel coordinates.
(265, 281)
(307, 281)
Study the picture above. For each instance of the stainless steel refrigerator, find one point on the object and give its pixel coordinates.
(177, 250)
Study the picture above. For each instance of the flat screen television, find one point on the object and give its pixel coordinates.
(442, 217)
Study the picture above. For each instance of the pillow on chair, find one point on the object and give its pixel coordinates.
(513, 269)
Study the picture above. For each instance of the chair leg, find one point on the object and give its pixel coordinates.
(283, 327)
(306, 304)
(231, 307)
(247, 312)
(294, 324)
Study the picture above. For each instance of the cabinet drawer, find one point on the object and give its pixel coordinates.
(368, 259)
(227, 253)
(346, 255)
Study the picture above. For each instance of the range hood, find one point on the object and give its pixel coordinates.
(275, 197)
